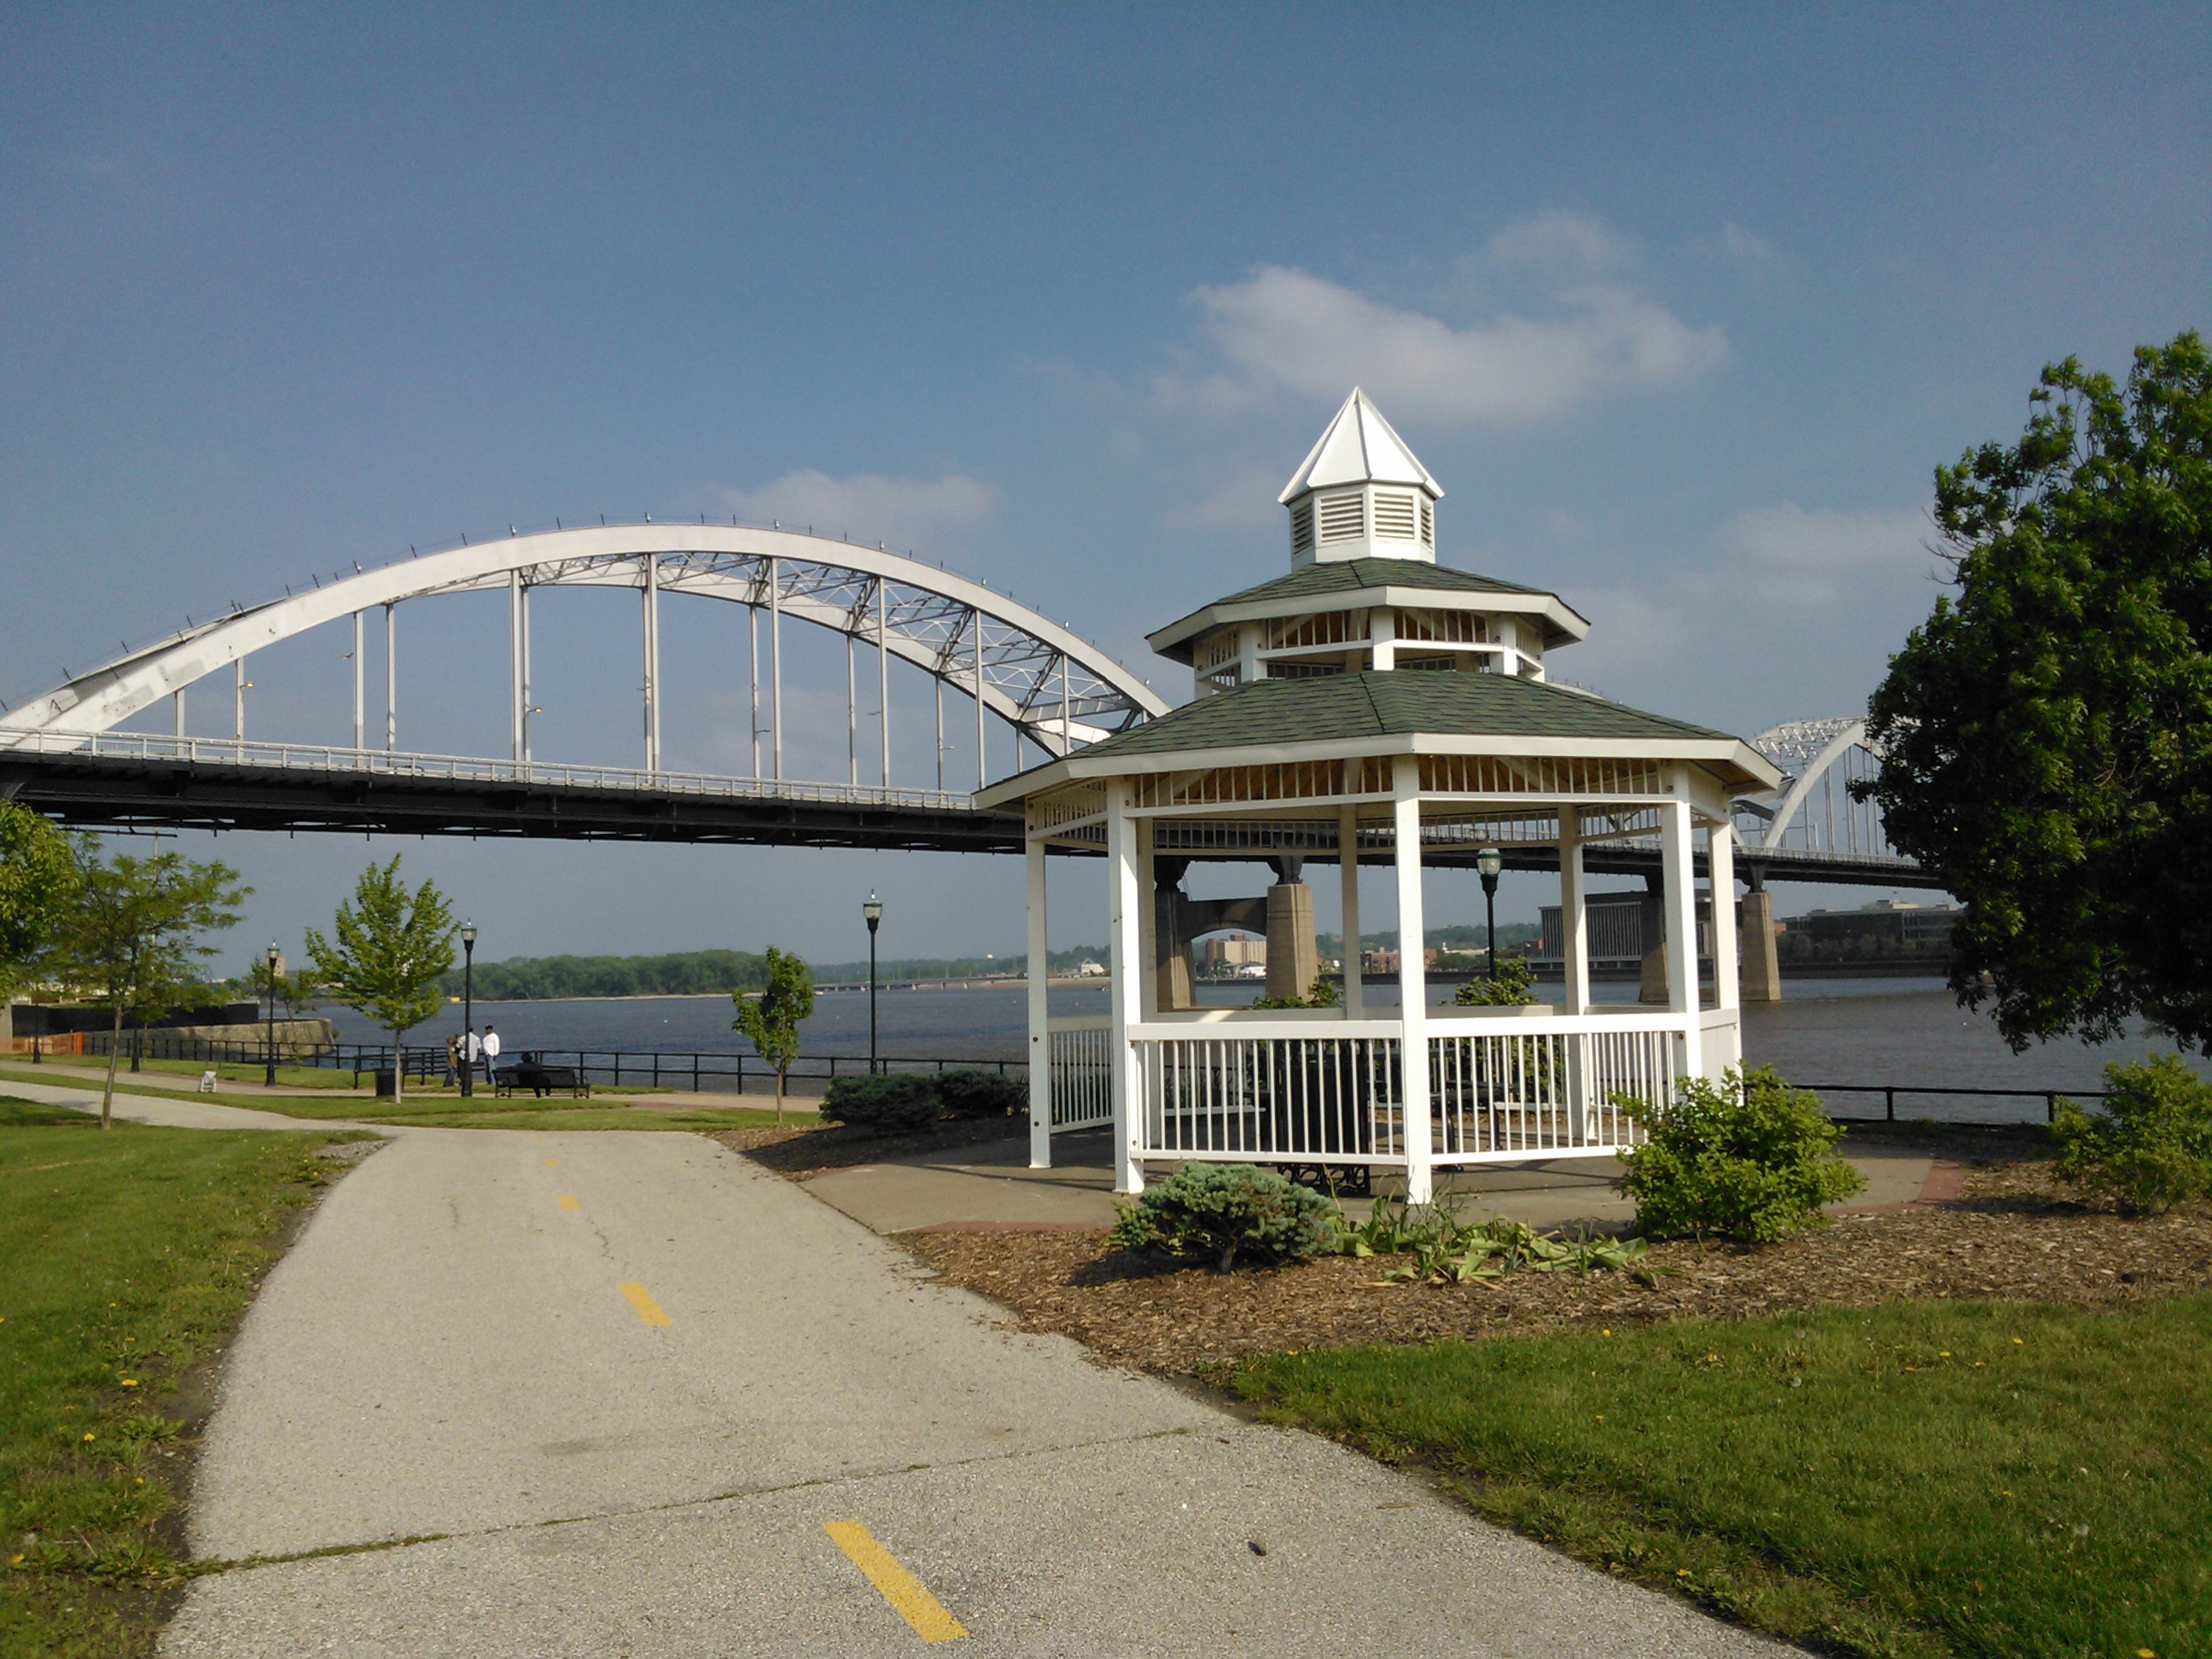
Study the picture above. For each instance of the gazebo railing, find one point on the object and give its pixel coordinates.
(1330, 1091)
(1289, 1091)
(1081, 1051)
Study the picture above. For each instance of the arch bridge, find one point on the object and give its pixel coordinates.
(67, 752)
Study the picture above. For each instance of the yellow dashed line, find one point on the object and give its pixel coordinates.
(568, 1200)
(552, 1161)
(641, 1299)
(895, 1584)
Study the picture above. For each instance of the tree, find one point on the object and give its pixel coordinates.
(295, 992)
(770, 1018)
(131, 935)
(38, 877)
(2048, 730)
(391, 947)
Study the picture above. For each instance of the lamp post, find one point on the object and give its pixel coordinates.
(1490, 861)
(268, 1073)
(468, 1004)
(872, 908)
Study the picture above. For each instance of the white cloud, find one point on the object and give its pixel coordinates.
(1243, 501)
(1285, 329)
(1560, 242)
(906, 511)
(1785, 555)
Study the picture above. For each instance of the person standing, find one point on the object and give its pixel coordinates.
(472, 1053)
(490, 1049)
(453, 1059)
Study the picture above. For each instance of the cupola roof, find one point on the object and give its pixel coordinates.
(1359, 448)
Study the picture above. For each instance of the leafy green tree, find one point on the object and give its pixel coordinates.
(2048, 729)
(770, 1018)
(38, 879)
(391, 948)
(295, 992)
(131, 935)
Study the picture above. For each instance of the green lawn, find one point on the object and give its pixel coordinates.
(437, 1109)
(125, 1259)
(1921, 1478)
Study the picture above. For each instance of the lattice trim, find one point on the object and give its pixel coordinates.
(1488, 775)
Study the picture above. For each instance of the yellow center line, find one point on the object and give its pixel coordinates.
(552, 1160)
(641, 1299)
(895, 1584)
(568, 1200)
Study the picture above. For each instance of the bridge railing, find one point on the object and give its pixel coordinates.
(461, 769)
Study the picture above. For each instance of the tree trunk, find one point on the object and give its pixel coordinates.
(398, 1069)
(114, 1048)
(779, 1100)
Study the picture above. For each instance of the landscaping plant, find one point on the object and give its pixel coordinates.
(1748, 1158)
(391, 948)
(896, 1105)
(770, 1017)
(1221, 1211)
(1513, 984)
(970, 1092)
(2152, 1147)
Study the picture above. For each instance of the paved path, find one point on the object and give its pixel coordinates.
(634, 1417)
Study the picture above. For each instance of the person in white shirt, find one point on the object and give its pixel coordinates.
(491, 1047)
(471, 1055)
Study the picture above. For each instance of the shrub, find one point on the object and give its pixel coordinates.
(972, 1093)
(1321, 994)
(1749, 1158)
(1514, 987)
(1222, 1209)
(2151, 1147)
(888, 1104)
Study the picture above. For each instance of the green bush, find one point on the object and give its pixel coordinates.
(973, 1093)
(1221, 1211)
(1514, 987)
(893, 1104)
(2152, 1147)
(1749, 1158)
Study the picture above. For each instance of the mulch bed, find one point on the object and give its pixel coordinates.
(2011, 1234)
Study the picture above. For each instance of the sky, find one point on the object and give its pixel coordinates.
(1681, 307)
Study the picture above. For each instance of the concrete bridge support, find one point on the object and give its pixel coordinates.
(1762, 963)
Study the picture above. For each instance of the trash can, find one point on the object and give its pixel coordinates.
(384, 1083)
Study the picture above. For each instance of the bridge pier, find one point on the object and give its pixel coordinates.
(1762, 961)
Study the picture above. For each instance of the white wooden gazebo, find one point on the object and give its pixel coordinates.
(1373, 707)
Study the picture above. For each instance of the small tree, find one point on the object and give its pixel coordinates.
(131, 935)
(295, 992)
(770, 1018)
(38, 877)
(1747, 1158)
(391, 948)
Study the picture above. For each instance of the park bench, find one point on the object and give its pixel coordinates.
(533, 1073)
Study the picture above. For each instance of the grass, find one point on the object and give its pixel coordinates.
(289, 1077)
(129, 1256)
(442, 1110)
(1925, 1478)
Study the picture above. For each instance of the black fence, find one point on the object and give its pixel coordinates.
(733, 1073)
(696, 1072)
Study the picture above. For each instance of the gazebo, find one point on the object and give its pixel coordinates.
(1373, 707)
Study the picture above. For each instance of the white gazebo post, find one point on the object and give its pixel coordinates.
(1039, 990)
(1347, 854)
(1574, 968)
(1412, 976)
(1678, 904)
(1124, 904)
(1727, 1042)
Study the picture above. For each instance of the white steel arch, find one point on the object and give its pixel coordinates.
(1054, 688)
(1813, 812)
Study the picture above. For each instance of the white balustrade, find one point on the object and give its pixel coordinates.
(1082, 1060)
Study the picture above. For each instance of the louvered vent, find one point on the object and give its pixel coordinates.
(1342, 518)
(1393, 516)
(1428, 523)
(1302, 527)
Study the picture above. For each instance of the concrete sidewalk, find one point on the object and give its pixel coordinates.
(177, 1113)
(631, 1377)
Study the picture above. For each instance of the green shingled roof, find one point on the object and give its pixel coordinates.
(1374, 704)
(1319, 581)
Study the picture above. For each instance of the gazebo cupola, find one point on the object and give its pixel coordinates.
(1361, 493)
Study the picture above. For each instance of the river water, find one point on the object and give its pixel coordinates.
(1875, 1032)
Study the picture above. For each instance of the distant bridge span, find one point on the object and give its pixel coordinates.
(62, 751)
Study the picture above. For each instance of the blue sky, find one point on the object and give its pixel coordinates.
(1681, 308)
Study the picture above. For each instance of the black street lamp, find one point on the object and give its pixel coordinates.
(269, 1075)
(468, 1004)
(1490, 861)
(872, 908)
